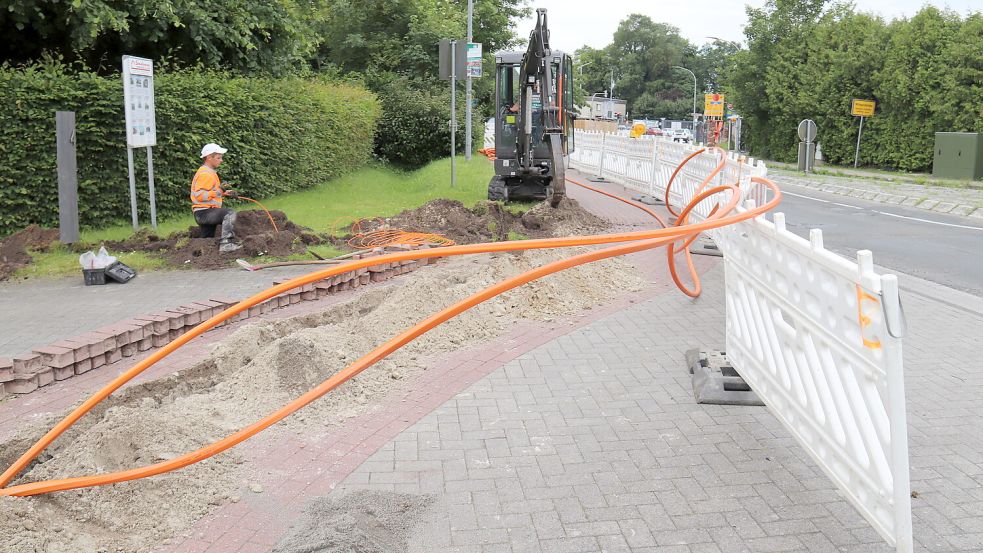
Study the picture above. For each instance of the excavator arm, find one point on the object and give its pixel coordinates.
(536, 79)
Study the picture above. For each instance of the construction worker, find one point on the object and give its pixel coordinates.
(206, 199)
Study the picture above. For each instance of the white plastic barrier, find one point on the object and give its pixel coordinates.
(817, 336)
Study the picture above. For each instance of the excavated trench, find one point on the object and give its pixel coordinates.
(257, 369)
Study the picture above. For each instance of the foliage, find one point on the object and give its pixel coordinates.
(640, 61)
(242, 35)
(282, 135)
(808, 59)
(393, 47)
(413, 128)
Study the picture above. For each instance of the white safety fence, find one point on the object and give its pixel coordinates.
(815, 335)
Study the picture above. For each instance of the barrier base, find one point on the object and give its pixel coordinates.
(716, 382)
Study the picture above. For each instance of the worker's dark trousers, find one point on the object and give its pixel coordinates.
(209, 219)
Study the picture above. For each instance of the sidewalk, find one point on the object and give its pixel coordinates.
(64, 307)
(583, 435)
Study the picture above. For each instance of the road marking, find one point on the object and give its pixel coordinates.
(820, 200)
(806, 197)
(884, 212)
(927, 220)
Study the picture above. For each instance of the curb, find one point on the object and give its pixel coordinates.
(107, 345)
(938, 206)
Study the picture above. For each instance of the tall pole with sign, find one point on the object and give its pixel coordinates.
(141, 126)
(467, 96)
(862, 109)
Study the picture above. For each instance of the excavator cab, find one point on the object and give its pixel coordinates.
(533, 120)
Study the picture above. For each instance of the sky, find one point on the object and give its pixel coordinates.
(574, 23)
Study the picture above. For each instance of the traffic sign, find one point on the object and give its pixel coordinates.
(807, 130)
(862, 108)
(713, 105)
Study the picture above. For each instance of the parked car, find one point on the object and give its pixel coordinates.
(654, 131)
(682, 135)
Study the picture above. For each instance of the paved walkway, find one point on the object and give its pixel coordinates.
(583, 435)
(36, 313)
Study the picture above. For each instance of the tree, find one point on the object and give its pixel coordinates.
(244, 35)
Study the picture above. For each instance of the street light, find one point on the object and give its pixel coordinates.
(581, 67)
(694, 93)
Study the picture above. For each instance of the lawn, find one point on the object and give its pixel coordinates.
(374, 191)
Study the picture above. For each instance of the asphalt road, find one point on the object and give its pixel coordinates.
(939, 248)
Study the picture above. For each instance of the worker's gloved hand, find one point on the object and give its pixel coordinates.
(234, 194)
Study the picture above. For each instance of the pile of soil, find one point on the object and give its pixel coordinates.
(257, 369)
(362, 521)
(14, 248)
(253, 229)
(489, 221)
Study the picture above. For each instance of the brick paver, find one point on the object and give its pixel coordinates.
(65, 307)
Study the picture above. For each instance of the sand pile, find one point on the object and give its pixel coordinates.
(256, 370)
(361, 521)
(14, 249)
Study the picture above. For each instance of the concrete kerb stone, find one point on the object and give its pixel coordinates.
(911, 201)
(928, 204)
(977, 213)
(962, 210)
(944, 207)
(28, 363)
(56, 357)
(6, 369)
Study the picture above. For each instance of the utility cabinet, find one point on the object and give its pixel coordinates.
(958, 155)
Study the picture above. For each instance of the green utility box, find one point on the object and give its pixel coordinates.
(958, 155)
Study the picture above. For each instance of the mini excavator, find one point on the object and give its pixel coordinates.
(533, 120)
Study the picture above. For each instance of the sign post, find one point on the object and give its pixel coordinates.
(807, 148)
(452, 64)
(141, 125)
(862, 109)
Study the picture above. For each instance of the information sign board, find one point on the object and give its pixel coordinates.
(138, 101)
(713, 105)
(474, 60)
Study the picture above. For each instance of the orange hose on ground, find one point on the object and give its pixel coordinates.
(263, 207)
(650, 239)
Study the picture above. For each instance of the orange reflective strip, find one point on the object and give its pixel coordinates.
(864, 320)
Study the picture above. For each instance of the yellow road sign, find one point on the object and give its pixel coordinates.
(862, 108)
(713, 105)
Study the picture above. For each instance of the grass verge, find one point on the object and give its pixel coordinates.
(374, 191)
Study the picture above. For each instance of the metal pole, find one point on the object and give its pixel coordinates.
(856, 156)
(467, 109)
(68, 205)
(453, 113)
(150, 185)
(133, 190)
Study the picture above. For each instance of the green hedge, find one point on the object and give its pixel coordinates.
(282, 135)
(413, 128)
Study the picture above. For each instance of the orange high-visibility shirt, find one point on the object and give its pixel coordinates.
(206, 189)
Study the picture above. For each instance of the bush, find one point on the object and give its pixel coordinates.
(413, 129)
(282, 135)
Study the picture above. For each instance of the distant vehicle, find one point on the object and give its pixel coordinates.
(682, 135)
(654, 131)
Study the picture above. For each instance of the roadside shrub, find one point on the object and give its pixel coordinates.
(413, 127)
(282, 135)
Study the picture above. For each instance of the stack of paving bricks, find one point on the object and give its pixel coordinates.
(107, 345)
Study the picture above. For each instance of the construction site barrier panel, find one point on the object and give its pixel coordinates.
(816, 336)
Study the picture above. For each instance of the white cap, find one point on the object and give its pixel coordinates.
(212, 148)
